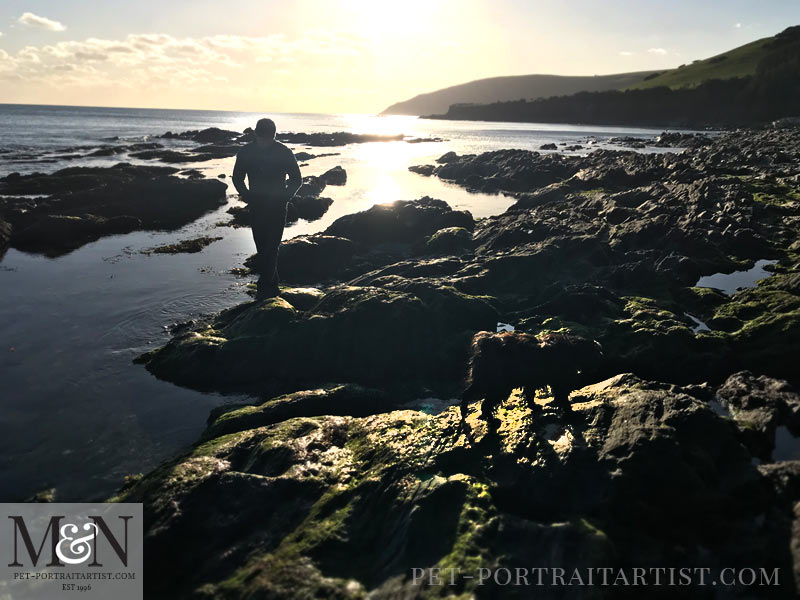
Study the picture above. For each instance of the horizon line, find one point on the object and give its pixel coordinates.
(224, 110)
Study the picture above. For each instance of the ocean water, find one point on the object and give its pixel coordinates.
(75, 412)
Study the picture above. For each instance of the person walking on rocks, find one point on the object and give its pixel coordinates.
(266, 163)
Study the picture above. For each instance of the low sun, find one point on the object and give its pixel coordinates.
(380, 20)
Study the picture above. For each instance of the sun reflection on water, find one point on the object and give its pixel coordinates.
(382, 125)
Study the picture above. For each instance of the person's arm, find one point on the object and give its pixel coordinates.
(295, 178)
(239, 172)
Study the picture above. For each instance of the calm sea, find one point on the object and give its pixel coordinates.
(75, 412)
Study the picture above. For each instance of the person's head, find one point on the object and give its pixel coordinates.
(265, 131)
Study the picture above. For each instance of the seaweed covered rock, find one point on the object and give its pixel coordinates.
(521, 171)
(761, 405)
(362, 242)
(509, 170)
(120, 149)
(325, 488)
(641, 475)
(345, 400)
(210, 135)
(449, 240)
(763, 325)
(189, 246)
(404, 221)
(358, 334)
(57, 234)
(738, 154)
(78, 205)
(645, 247)
(675, 139)
(302, 298)
(314, 258)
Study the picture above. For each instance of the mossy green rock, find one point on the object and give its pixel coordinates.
(764, 325)
(402, 221)
(331, 491)
(349, 400)
(302, 298)
(359, 334)
(449, 240)
(255, 319)
(341, 507)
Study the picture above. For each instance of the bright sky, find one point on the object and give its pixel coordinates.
(345, 56)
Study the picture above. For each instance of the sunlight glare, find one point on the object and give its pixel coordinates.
(382, 125)
(377, 20)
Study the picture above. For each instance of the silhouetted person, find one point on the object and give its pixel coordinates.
(266, 163)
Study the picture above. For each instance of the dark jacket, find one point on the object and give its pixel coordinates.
(266, 170)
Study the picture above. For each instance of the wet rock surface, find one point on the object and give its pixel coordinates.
(384, 235)
(400, 221)
(612, 252)
(314, 258)
(421, 337)
(760, 405)
(184, 246)
(340, 506)
(58, 212)
(739, 153)
(334, 485)
(665, 140)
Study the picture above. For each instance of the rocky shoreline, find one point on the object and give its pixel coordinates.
(347, 474)
(55, 213)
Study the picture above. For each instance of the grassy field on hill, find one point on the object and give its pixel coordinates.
(750, 85)
(739, 62)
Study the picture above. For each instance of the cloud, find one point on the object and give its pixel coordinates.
(160, 62)
(657, 51)
(627, 53)
(32, 20)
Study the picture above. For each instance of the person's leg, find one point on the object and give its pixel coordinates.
(273, 237)
(268, 221)
(259, 225)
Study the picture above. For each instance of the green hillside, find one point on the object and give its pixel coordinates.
(739, 62)
(750, 85)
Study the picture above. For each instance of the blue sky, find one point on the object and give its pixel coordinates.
(350, 55)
